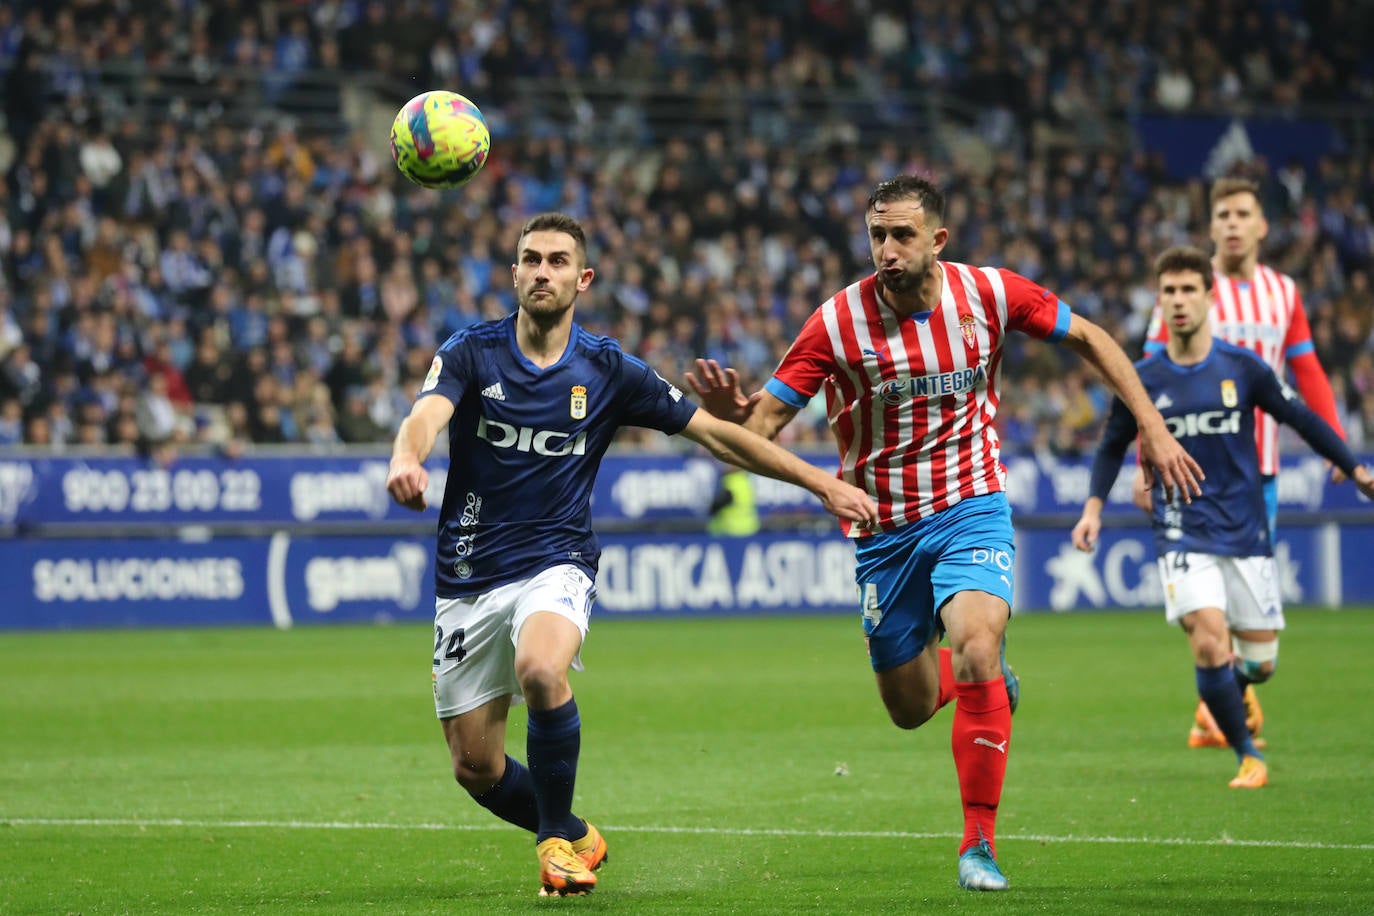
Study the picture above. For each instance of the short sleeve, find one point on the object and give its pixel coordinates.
(1034, 310)
(1298, 341)
(447, 374)
(650, 400)
(808, 363)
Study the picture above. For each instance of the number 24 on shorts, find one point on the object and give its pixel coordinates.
(454, 650)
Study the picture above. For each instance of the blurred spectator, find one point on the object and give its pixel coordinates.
(239, 261)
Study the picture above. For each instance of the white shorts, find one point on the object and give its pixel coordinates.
(474, 637)
(1245, 588)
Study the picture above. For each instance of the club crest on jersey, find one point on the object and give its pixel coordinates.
(1228, 393)
(577, 407)
(968, 326)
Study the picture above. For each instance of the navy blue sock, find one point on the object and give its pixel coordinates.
(553, 742)
(512, 798)
(1222, 694)
(1241, 679)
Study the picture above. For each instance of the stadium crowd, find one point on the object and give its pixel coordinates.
(182, 279)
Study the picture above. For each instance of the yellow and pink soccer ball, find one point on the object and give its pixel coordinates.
(440, 140)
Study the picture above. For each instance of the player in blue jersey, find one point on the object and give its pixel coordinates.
(531, 403)
(1215, 557)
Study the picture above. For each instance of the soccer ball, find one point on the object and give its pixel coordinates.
(439, 140)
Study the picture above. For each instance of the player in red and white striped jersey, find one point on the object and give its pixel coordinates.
(909, 360)
(1256, 307)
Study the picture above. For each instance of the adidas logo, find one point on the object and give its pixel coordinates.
(1163, 402)
(495, 392)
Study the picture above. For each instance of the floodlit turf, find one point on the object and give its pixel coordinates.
(237, 771)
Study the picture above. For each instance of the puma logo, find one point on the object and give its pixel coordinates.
(1000, 748)
(880, 355)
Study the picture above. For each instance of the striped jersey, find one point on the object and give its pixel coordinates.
(1263, 315)
(911, 399)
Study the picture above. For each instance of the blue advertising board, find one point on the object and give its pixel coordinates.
(632, 489)
(288, 580)
(1121, 574)
(285, 580)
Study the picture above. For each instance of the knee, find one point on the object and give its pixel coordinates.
(1257, 660)
(477, 774)
(1210, 650)
(978, 658)
(908, 716)
(541, 680)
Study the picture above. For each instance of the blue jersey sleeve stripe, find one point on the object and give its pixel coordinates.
(1061, 323)
(786, 393)
(1300, 349)
(1152, 347)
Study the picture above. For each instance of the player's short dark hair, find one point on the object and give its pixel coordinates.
(558, 222)
(1223, 188)
(1185, 257)
(910, 187)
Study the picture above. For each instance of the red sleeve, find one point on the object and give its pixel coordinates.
(1315, 388)
(1308, 374)
(1299, 334)
(810, 360)
(1157, 334)
(1032, 309)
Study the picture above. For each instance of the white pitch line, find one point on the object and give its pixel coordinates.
(713, 831)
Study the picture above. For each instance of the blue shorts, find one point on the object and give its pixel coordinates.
(906, 576)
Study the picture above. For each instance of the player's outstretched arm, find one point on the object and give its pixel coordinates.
(1160, 452)
(1283, 405)
(407, 479)
(734, 444)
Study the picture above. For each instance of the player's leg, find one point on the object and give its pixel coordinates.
(972, 583)
(1195, 597)
(1254, 712)
(474, 680)
(1255, 616)
(476, 743)
(913, 674)
(912, 691)
(548, 629)
(980, 738)
(1210, 644)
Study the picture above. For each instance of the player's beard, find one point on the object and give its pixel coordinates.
(904, 282)
(545, 309)
(908, 281)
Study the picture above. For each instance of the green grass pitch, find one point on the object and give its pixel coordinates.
(255, 771)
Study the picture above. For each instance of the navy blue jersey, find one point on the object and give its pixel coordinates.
(1209, 407)
(524, 447)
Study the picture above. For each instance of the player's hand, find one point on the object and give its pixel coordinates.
(1086, 531)
(720, 393)
(406, 483)
(846, 501)
(1365, 481)
(1337, 475)
(1140, 494)
(1160, 454)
